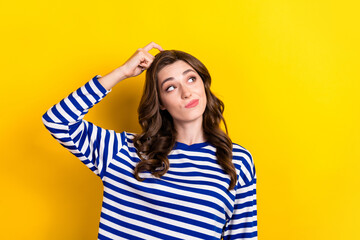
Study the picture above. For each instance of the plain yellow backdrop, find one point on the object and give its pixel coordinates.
(287, 71)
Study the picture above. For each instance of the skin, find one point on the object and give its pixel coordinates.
(180, 90)
(176, 93)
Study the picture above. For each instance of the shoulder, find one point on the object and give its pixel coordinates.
(127, 137)
(122, 139)
(239, 150)
(127, 146)
(244, 164)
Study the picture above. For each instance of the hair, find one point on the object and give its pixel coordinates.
(158, 135)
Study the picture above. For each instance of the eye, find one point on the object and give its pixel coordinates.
(170, 88)
(192, 79)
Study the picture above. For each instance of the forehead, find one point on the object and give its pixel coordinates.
(174, 70)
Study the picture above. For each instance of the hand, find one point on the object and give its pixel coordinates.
(139, 61)
(135, 65)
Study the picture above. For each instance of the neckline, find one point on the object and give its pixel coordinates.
(184, 146)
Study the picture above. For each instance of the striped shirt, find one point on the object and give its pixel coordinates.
(191, 201)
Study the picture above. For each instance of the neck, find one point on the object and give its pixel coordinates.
(190, 133)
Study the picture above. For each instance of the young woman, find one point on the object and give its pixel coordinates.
(181, 177)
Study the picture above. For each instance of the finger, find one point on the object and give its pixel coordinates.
(147, 59)
(153, 45)
(144, 65)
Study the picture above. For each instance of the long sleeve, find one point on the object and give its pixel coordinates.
(243, 222)
(93, 145)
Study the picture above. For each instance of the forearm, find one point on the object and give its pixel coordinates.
(73, 107)
(111, 79)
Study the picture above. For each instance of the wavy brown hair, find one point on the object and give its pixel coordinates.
(158, 135)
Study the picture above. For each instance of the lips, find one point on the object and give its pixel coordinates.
(192, 103)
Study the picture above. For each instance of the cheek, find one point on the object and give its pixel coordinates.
(204, 97)
(203, 93)
(165, 101)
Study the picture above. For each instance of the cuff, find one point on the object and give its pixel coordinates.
(99, 86)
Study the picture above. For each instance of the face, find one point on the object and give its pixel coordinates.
(182, 92)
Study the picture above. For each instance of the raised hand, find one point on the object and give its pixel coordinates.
(140, 60)
(135, 65)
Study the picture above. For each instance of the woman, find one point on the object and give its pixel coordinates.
(182, 177)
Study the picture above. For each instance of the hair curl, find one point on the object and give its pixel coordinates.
(158, 135)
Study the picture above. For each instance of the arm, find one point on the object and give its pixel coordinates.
(93, 145)
(243, 222)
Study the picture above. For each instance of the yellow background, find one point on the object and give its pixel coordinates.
(288, 72)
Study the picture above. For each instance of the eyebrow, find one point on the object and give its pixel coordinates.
(171, 78)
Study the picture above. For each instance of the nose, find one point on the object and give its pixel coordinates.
(186, 93)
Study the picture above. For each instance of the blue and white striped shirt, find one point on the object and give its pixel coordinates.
(191, 201)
